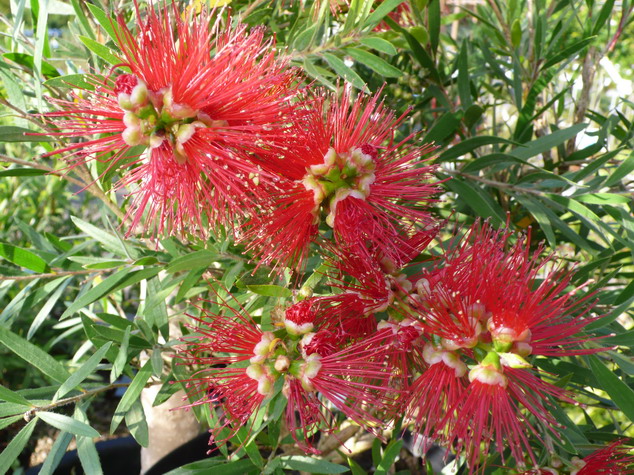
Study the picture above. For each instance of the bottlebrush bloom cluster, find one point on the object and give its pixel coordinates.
(316, 370)
(342, 167)
(201, 100)
(486, 313)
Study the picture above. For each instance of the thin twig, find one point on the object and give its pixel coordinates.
(28, 415)
(496, 184)
(39, 166)
(52, 275)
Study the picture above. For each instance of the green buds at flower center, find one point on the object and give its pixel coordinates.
(151, 118)
(340, 176)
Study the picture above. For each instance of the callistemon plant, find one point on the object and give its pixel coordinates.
(346, 309)
(182, 124)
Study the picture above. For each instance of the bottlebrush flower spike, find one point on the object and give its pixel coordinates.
(201, 100)
(344, 170)
(485, 306)
(615, 459)
(318, 372)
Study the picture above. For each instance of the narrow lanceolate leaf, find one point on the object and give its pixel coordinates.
(376, 64)
(11, 133)
(137, 424)
(379, 13)
(195, 260)
(109, 241)
(310, 464)
(270, 290)
(54, 457)
(100, 50)
(132, 394)
(547, 142)
(67, 424)
(379, 44)
(123, 278)
(86, 449)
(48, 365)
(342, 70)
(11, 452)
(82, 373)
(23, 258)
(104, 20)
(11, 396)
(621, 393)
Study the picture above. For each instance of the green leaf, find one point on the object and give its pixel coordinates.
(433, 18)
(195, 260)
(536, 209)
(82, 81)
(83, 372)
(216, 466)
(124, 278)
(109, 241)
(137, 424)
(45, 311)
(603, 198)
(122, 357)
(621, 394)
(344, 71)
(22, 172)
(464, 87)
(389, 456)
(67, 424)
(27, 61)
(381, 11)
(104, 20)
(55, 455)
(7, 421)
(476, 199)
(11, 396)
(309, 464)
(304, 39)
(11, 133)
(85, 446)
(270, 290)
(375, 63)
(547, 142)
(469, 145)
(604, 15)
(443, 128)
(379, 44)
(516, 33)
(567, 53)
(15, 447)
(100, 50)
(623, 170)
(81, 17)
(32, 354)
(132, 394)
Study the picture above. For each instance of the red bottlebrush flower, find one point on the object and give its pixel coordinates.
(615, 459)
(484, 305)
(355, 380)
(343, 169)
(445, 374)
(220, 342)
(201, 101)
(319, 371)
